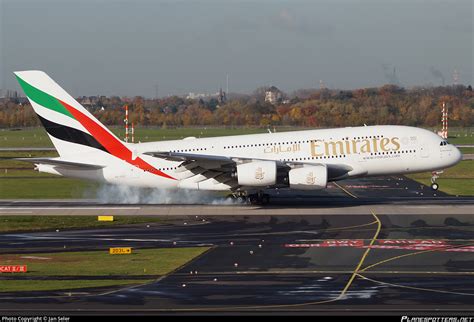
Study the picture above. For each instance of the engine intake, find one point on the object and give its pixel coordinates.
(308, 177)
(257, 173)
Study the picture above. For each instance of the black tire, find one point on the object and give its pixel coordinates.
(434, 186)
(253, 199)
(265, 199)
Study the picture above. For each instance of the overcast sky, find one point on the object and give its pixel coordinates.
(121, 48)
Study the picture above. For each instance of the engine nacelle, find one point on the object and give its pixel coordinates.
(258, 173)
(308, 178)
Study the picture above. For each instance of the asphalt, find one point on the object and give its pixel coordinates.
(305, 253)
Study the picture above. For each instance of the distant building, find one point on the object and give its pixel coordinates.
(220, 96)
(273, 95)
(88, 101)
(195, 96)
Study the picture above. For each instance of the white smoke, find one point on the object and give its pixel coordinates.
(133, 195)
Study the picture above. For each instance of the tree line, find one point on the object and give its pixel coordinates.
(389, 104)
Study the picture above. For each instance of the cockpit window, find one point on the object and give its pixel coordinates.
(443, 143)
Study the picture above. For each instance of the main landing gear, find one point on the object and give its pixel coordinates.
(258, 198)
(434, 176)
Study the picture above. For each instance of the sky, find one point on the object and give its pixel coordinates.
(129, 48)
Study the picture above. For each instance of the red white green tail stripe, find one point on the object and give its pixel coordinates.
(65, 119)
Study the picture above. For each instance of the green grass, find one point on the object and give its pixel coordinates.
(29, 137)
(6, 161)
(18, 180)
(157, 261)
(52, 285)
(25, 173)
(467, 150)
(455, 187)
(142, 262)
(37, 186)
(34, 223)
(458, 180)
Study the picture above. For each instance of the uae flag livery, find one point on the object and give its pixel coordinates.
(74, 124)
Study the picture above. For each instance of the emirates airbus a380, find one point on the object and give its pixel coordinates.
(243, 165)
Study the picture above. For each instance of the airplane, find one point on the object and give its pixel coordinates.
(243, 165)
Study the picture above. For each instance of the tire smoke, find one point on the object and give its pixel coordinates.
(117, 194)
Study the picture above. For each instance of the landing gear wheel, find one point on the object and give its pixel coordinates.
(259, 198)
(434, 176)
(253, 199)
(240, 199)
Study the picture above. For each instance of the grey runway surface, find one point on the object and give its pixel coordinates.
(305, 254)
(385, 195)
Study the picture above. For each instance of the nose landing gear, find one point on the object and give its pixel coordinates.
(434, 176)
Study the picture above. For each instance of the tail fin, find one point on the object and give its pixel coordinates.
(71, 128)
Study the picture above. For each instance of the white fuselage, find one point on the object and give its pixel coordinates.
(369, 150)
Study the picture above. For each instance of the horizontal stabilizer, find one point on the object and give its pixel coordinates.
(62, 163)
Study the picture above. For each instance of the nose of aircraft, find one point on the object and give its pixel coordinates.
(456, 155)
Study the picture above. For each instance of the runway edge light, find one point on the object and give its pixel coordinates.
(105, 218)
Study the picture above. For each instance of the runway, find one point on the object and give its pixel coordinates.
(384, 195)
(303, 254)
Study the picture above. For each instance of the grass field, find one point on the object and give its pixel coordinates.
(82, 265)
(19, 180)
(53, 285)
(156, 261)
(33, 185)
(458, 180)
(467, 150)
(34, 223)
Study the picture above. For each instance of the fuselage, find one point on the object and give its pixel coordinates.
(369, 150)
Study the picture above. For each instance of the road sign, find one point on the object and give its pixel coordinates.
(13, 269)
(120, 250)
(106, 218)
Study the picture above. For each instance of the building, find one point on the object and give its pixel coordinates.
(273, 95)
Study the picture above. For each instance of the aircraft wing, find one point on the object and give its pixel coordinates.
(221, 167)
(62, 163)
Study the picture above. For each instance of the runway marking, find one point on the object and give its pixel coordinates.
(350, 227)
(413, 254)
(415, 288)
(345, 190)
(325, 272)
(339, 297)
(361, 262)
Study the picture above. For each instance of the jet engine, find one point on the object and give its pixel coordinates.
(308, 177)
(257, 173)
